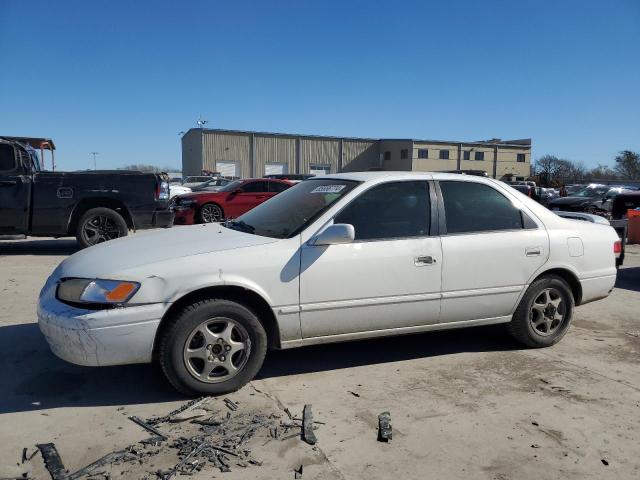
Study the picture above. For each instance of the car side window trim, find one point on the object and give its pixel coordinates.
(433, 208)
(442, 220)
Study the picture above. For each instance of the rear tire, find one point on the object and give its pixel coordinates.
(544, 313)
(99, 225)
(199, 357)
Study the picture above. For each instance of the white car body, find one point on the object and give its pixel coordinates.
(175, 190)
(325, 294)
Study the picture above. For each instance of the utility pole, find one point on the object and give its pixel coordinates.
(94, 159)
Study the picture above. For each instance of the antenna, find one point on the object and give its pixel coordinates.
(94, 158)
(201, 122)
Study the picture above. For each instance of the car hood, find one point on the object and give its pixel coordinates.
(146, 248)
(572, 201)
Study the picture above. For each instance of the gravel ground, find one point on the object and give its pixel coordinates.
(464, 404)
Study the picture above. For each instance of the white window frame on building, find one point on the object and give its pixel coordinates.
(319, 169)
(275, 168)
(227, 168)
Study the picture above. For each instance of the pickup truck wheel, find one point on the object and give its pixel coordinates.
(210, 213)
(100, 225)
(212, 347)
(544, 313)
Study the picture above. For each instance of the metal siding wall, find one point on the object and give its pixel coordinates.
(322, 152)
(192, 153)
(276, 150)
(359, 155)
(226, 147)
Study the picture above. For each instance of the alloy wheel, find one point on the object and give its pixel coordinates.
(211, 213)
(547, 312)
(216, 350)
(100, 229)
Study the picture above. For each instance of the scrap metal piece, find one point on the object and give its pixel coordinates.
(148, 427)
(307, 426)
(231, 405)
(52, 461)
(385, 432)
(298, 473)
(101, 462)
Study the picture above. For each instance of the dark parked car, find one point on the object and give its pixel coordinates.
(581, 201)
(94, 206)
(230, 201)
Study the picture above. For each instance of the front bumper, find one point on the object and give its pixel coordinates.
(115, 336)
(184, 216)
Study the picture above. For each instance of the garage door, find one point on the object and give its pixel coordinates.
(227, 169)
(275, 168)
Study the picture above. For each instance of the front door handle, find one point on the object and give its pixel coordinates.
(424, 260)
(533, 251)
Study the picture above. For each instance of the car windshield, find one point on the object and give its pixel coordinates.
(591, 192)
(230, 187)
(289, 212)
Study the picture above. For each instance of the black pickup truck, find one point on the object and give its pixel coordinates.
(94, 206)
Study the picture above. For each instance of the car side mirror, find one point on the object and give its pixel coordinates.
(336, 234)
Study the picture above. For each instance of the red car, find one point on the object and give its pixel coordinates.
(230, 201)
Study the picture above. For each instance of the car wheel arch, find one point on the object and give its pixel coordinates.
(568, 276)
(87, 204)
(248, 298)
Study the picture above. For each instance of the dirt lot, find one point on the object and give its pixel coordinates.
(464, 404)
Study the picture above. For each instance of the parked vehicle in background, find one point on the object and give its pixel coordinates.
(291, 177)
(195, 181)
(545, 195)
(94, 206)
(212, 185)
(581, 200)
(231, 201)
(178, 189)
(336, 258)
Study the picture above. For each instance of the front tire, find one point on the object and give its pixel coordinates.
(210, 213)
(99, 225)
(212, 347)
(544, 313)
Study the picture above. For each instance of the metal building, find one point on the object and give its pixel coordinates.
(248, 154)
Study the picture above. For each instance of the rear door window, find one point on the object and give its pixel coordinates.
(475, 207)
(7, 158)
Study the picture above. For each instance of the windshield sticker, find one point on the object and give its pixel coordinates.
(328, 189)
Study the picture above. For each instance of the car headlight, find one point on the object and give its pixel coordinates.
(96, 291)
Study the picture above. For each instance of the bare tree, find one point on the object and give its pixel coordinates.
(601, 172)
(141, 167)
(628, 165)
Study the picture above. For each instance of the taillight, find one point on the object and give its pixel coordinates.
(617, 246)
(162, 191)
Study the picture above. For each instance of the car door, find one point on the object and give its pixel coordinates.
(389, 277)
(15, 192)
(490, 246)
(250, 194)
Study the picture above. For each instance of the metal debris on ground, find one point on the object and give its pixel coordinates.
(354, 393)
(191, 404)
(52, 461)
(307, 426)
(231, 405)
(298, 472)
(221, 441)
(385, 432)
(148, 427)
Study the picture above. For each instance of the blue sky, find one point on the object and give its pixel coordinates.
(124, 77)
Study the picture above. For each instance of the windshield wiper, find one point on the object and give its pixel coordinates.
(245, 227)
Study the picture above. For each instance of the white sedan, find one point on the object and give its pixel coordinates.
(175, 190)
(334, 258)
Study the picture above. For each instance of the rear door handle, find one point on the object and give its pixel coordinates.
(424, 260)
(533, 251)
(8, 183)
